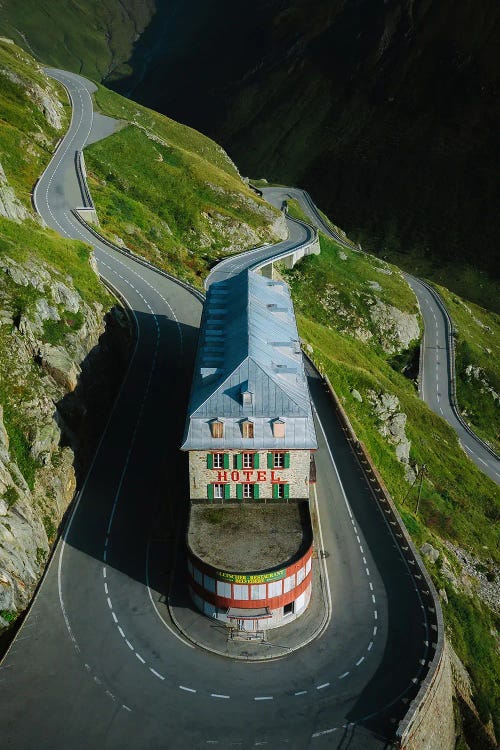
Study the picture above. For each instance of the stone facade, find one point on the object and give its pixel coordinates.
(294, 475)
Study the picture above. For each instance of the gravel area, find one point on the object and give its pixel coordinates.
(249, 538)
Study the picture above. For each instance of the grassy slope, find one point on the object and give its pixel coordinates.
(95, 37)
(178, 199)
(458, 502)
(477, 344)
(26, 139)
(26, 145)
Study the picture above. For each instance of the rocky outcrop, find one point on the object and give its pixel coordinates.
(43, 98)
(392, 423)
(10, 207)
(474, 372)
(47, 426)
(397, 329)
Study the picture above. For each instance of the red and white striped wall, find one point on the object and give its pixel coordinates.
(284, 593)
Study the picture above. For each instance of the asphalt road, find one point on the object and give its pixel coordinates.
(98, 663)
(435, 375)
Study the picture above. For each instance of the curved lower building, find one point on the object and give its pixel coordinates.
(250, 566)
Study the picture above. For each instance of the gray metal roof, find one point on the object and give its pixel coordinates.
(249, 342)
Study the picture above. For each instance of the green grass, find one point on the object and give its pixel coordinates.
(26, 139)
(18, 427)
(458, 501)
(477, 344)
(172, 194)
(26, 240)
(9, 615)
(333, 288)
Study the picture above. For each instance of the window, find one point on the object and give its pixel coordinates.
(278, 460)
(247, 491)
(258, 591)
(218, 491)
(217, 428)
(288, 609)
(246, 398)
(248, 460)
(275, 588)
(240, 591)
(281, 491)
(218, 461)
(247, 429)
(278, 428)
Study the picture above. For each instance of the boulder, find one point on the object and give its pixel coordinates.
(429, 552)
(10, 207)
(357, 395)
(57, 362)
(63, 295)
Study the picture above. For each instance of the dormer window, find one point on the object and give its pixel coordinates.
(246, 398)
(278, 428)
(247, 428)
(217, 428)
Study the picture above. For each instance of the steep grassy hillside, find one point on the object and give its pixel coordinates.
(33, 115)
(459, 506)
(94, 37)
(477, 365)
(172, 194)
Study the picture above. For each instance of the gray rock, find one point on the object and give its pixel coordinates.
(46, 311)
(10, 207)
(63, 295)
(443, 595)
(374, 285)
(58, 363)
(46, 440)
(392, 426)
(397, 329)
(342, 255)
(357, 395)
(429, 552)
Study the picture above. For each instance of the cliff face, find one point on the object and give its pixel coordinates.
(48, 333)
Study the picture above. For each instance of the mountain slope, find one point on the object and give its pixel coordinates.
(386, 112)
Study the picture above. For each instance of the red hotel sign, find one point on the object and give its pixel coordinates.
(248, 475)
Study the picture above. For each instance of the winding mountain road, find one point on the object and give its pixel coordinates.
(436, 375)
(98, 662)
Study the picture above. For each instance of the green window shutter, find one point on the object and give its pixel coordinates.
(256, 492)
(270, 461)
(255, 460)
(226, 460)
(227, 491)
(239, 491)
(287, 461)
(287, 491)
(275, 491)
(210, 491)
(210, 460)
(239, 460)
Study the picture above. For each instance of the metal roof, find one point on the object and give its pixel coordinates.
(249, 343)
